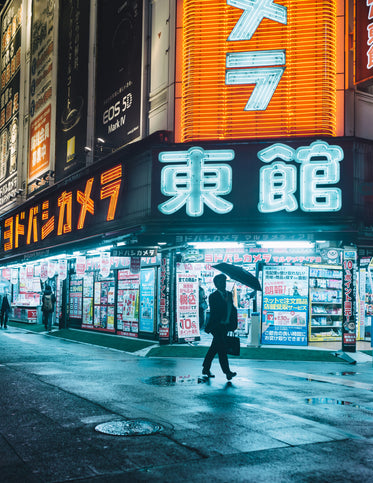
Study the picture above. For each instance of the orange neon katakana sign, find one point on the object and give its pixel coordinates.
(94, 201)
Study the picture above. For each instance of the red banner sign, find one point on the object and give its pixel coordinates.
(364, 41)
(349, 302)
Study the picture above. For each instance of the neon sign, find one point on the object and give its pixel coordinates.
(370, 35)
(278, 180)
(258, 69)
(265, 80)
(200, 177)
(197, 181)
(57, 215)
(349, 301)
(254, 12)
(363, 61)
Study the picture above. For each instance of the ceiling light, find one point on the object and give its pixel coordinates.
(286, 244)
(203, 245)
(105, 248)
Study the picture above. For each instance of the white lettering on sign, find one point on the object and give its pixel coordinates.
(197, 180)
(254, 12)
(319, 168)
(201, 178)
(266, 80)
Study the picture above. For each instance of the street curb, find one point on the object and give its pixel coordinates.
(146, 348)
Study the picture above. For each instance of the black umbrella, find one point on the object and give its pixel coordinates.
(239, 274)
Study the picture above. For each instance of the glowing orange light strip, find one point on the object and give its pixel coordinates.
(111, 174)
(8, 234)
(304, 102)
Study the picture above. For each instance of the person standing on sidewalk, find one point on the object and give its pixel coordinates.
(4, 311)
(47, 307)
(222, 311)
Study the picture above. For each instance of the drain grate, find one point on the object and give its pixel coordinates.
(134, 427)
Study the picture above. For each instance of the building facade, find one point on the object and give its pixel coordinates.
(136, 157)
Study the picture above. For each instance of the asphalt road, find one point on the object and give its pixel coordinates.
(275, 422)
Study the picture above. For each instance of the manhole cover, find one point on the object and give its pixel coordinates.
(174, 380)
(136, 427)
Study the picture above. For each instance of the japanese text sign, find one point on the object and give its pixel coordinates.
(364, 40)
(39, 156)
(349, 301)
(68, 212)
(257, 69)
(253, 180)
(285, 305)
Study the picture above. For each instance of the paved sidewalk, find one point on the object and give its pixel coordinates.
(148, 348)
(275, 422)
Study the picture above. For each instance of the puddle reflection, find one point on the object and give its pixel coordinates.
(335, 402)
(175, 380)
(344, 373)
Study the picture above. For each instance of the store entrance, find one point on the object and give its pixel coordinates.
(194, 284)
(306, 298)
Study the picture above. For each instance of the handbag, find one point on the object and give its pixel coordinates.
(233, 345)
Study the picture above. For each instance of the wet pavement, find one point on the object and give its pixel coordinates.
(277, 421)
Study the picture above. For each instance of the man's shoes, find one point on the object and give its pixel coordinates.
(207, 373)
(230, 375)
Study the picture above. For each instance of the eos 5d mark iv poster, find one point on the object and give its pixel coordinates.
(118, 100)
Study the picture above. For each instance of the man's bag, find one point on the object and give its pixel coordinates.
(233, 345)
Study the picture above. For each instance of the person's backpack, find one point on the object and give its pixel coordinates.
(47, 303)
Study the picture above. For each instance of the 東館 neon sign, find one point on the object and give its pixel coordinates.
(71, 210)
(197, 178)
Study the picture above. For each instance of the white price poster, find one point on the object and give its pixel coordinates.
(285, 305)
(187, 306)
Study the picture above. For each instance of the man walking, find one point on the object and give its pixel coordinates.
(222, 311)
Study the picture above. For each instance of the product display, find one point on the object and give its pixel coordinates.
(104, 303)
(326, 303)
(128, 303)
(76, 290)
